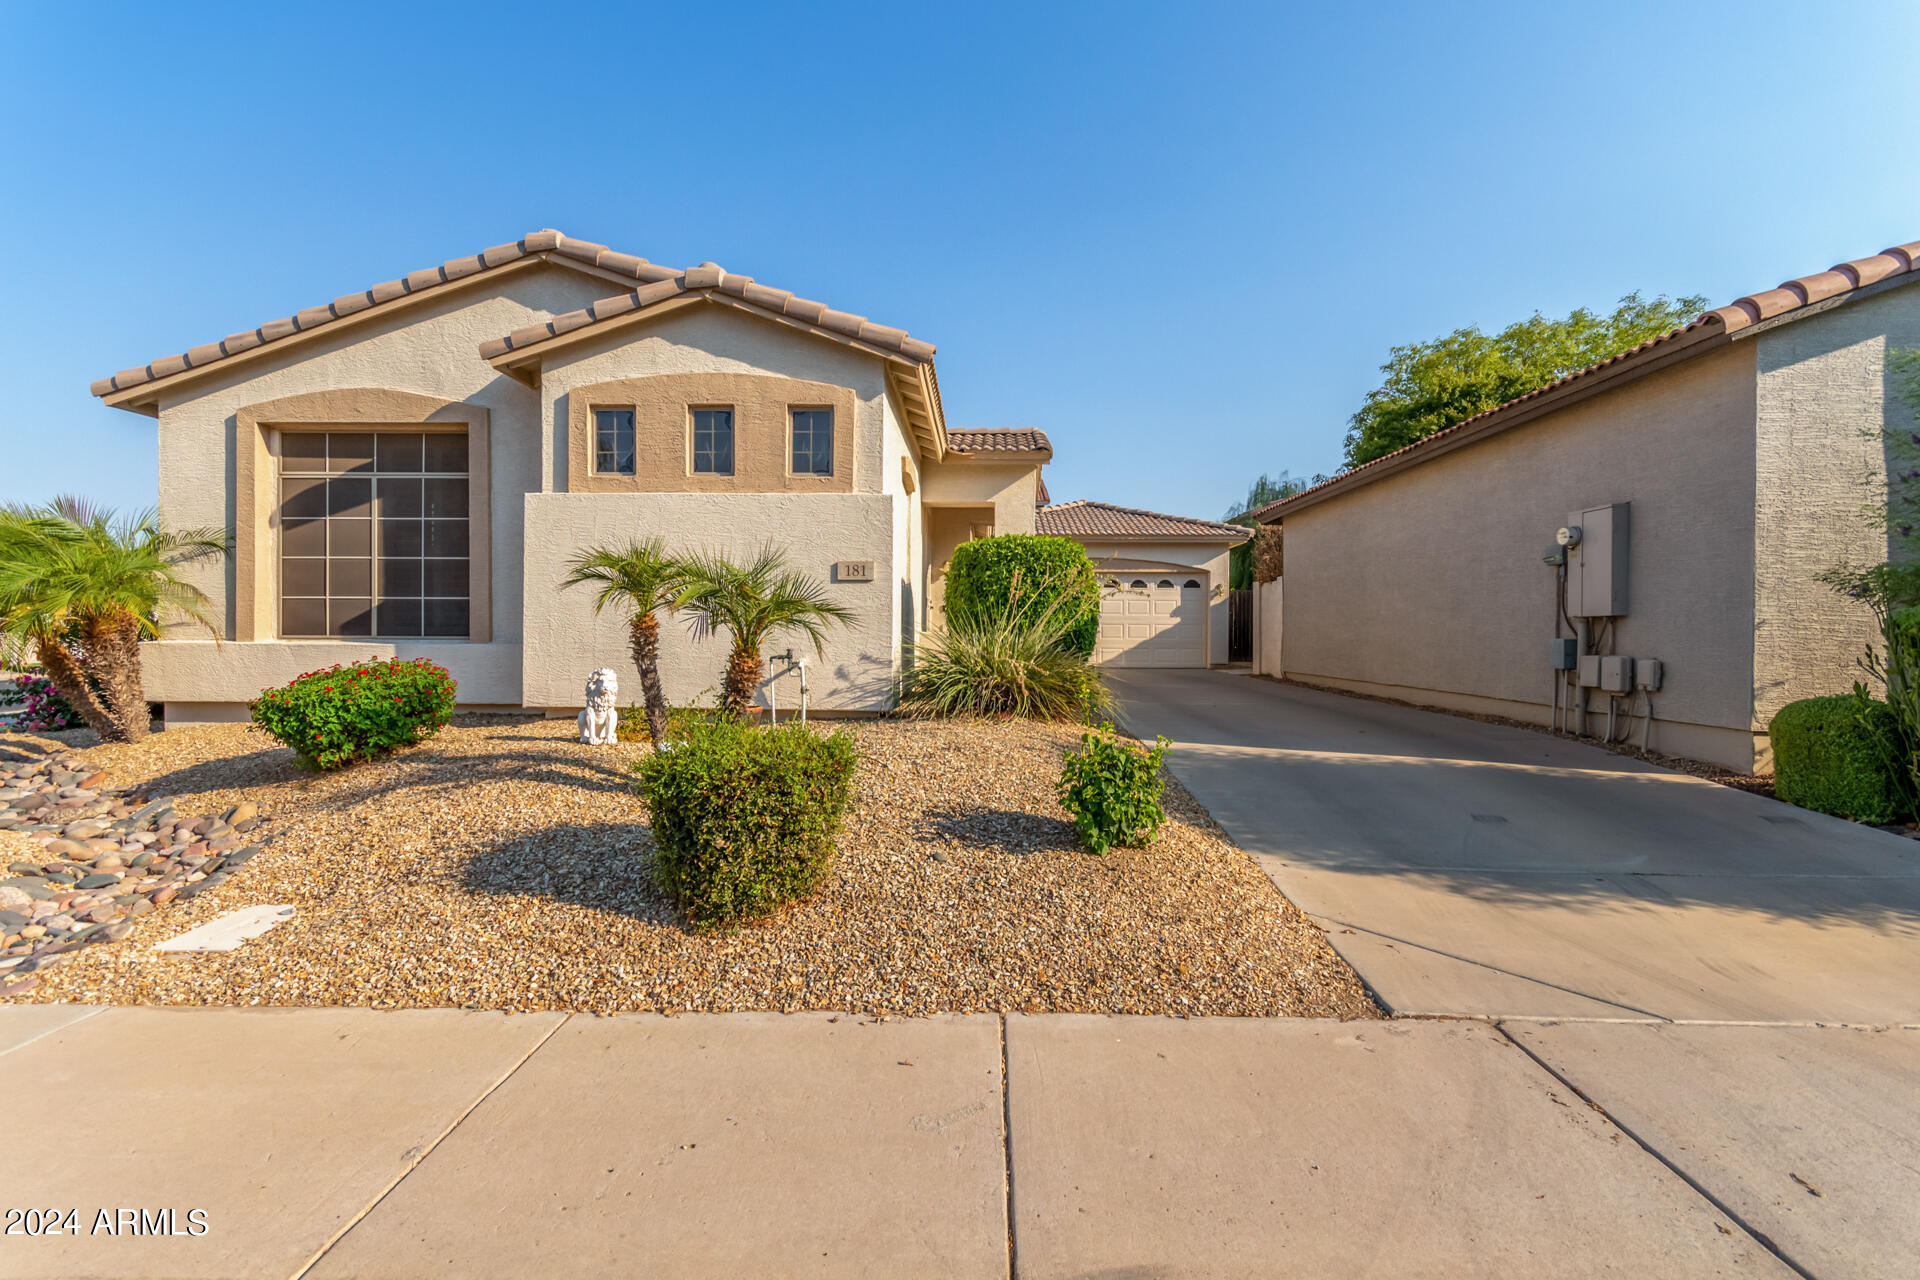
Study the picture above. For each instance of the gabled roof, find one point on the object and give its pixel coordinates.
(1104, 522)
(979, 440)
(1792, 300)
(548, 245)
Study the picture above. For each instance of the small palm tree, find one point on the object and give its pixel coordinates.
(754, 602)
(79, 589)
(643, 578)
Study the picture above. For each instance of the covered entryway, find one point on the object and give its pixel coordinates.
(1152, 620)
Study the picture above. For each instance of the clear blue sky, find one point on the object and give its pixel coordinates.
(1127, 225)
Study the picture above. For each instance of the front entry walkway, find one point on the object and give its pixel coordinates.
(1731, 978)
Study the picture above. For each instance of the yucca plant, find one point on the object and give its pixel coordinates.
(1003, 660)
(753, 602)
(644, 579)
(80, 588)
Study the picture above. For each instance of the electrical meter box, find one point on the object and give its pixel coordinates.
(1597, 564)
(1561, 656)
(1589, 671)
(1616, 674)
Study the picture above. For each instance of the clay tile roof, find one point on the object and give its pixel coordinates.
(990, 440)
(547, 242)
(1104, 521)
(721, 285)
(1742, 313)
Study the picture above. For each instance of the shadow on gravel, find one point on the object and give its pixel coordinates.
(1002, 830)
(606, 866)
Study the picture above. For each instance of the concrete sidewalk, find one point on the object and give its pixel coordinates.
(1690, 957)
(333, 1142)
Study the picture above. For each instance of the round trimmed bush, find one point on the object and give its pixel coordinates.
(744, 818)
(1839, 755)
(1021, 576)
(333, 717)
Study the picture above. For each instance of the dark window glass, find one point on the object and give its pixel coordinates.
(301, 497)
(613, 441)
(813, 442)
(1166, 582)
(445, 578)
(713, 442)
(446, 452)
(303, 617)
(303, 452)
(446, 618)
(357, 556)
(349, 452)
(397, 453)
(398, 617)
(400, 496)
(1193, 583)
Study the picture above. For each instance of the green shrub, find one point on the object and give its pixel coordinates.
(998, 664)
(1839, 755)
(1034, 575)
(333, 717)
(630, 725)
(744, 818)
(1112, 789)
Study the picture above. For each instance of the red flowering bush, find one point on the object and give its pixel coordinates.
(44, 708)
(332, 718)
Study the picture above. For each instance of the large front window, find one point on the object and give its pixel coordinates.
(373, 534)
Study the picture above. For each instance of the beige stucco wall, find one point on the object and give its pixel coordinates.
(429, 348)
(1428, 585)
(1268, 627)
(1824, 404)
(1008, 487)
(566, 640)
(1210, 558)
(711, 339)
(900, 476)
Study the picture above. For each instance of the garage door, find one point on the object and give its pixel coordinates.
(1152, 621)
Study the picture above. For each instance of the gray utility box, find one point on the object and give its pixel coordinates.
(1597, 566)
(1616, 674)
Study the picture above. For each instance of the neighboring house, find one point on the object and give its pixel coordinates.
(408, 470)
(1163, 600)
(1741, 443)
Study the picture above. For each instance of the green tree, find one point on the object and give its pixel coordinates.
(754, 602)
(1263, 492)
(79, 590)
(642, 578)
(1430, 386)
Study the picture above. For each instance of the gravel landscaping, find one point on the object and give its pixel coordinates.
(504, 866)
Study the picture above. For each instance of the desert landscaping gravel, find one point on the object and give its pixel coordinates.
(504, 866)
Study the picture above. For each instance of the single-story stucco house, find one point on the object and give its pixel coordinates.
(1163, 598)
(408, 469)
(1692, 490)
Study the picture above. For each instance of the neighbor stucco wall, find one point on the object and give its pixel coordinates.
(566, 640)
(1211, 558)
(430, 348)
(1268, 660)
(1429, 584)
(1825, 404)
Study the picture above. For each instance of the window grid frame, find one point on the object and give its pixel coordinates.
(694, 450)
(371, 473)
(794, 414)
(632, 428)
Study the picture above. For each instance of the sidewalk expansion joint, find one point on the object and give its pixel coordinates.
(54, 1030)
(428, 1150)
(1759, 1237)
(1006, 1145)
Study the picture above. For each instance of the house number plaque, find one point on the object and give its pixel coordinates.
(853, 571)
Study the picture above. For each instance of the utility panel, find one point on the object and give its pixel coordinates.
(1616, 674)
(1597, 562)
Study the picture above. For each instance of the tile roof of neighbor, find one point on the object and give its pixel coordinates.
(995, 440)
(1087, 519)
(1792, 295)
(549, 243)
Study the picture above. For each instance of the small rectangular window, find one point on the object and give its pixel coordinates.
(813, 442)
(613, 442)
(713, 442)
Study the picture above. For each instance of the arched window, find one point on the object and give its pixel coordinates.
(1139, 582)
(1193, 584)
(1166, 582)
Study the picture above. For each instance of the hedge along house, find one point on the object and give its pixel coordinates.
(1163, 582)
(1703, 479)
(408, 470)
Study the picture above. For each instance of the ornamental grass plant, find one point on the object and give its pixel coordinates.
(1006, 658)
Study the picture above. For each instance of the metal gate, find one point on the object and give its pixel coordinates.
(1240, 625)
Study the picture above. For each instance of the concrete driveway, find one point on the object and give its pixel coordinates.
(1731, 978)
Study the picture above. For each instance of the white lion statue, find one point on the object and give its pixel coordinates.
(599, 723)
